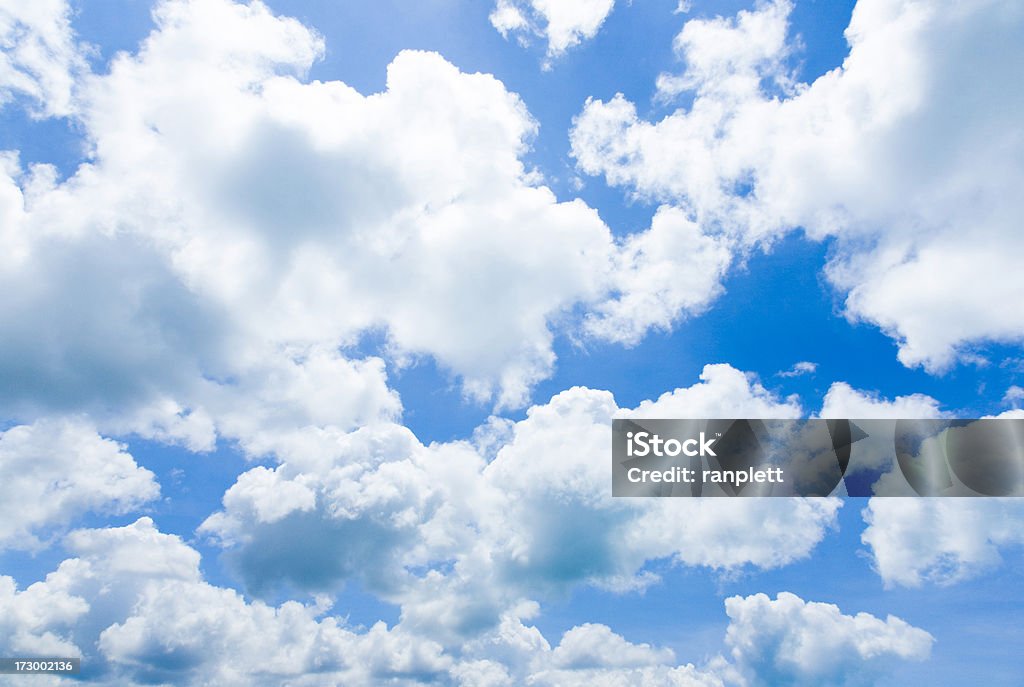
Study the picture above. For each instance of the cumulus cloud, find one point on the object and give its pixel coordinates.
(208, 272)
(40, 57)
(372, 502)
(457, 539)
(564, 24)
(652, 291)
(843, 401)
(112, 565)
(876, 451)
(723, 392)
(901, 154)
(790, 641)
(238, 230)
(321, 213)
(589, 646)
(939, 541)
(133, 603)
(55, 471)
(201, 634)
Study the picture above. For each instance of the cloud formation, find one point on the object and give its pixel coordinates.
(939, 541)
(793, 642)
(53, 472)
(457, 538)
(901, 155)
(843, 401)
(40, 59)
(213, 270)
(133, 602)
(564, 24)
(238, 232)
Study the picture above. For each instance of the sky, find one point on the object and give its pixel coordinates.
(316, 317)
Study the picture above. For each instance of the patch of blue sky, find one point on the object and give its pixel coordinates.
(55, 141)
(111, 27)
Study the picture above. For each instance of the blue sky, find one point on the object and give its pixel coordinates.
(319, 314)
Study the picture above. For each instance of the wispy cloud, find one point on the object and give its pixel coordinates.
(801, 368)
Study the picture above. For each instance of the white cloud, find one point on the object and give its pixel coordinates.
(660, 274)
(723, 392)
(135, 606)
(55, 471)
(902, 154)
(790, 641)
(592, 646)
(456, 540)
(727, 58)
(1014, 395)
(782, 641)
(843, 401)
(134, 601)
(201, 634)
(799, 369)
(87, 593)
(877, 449)
(237, 231)
(34, 619)
(564, 24)
(318, 213)
(371, 503)
(236, 226)
(39, 56)
(942, 541)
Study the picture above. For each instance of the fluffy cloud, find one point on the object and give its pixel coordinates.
(876, 450)
(942, 541)
(133, 600)
(723, 391)
(843, 401)
(652, 290)
(790, 641)
(112, 567)
(322, 213)
(562, 23)
(457, 541)
(40, 57)
(901, 154)
(237, 231)
(206, 635)
(133, 603)
(589, 646)
(375, 501)
(54, 471)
